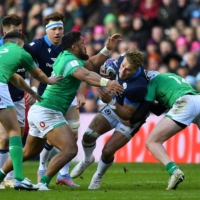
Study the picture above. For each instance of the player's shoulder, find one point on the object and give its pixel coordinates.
(37, 42)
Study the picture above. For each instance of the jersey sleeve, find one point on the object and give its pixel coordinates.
(151, 93)
(27, 61)
(72, 66)
(135, 96)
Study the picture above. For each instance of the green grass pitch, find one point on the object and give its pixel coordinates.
(140, 182)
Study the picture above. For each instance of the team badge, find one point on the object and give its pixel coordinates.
(124, 85)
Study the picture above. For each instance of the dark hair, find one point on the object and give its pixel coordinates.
(70, 38)
(11, 20)
(13, 35)
(54, 17)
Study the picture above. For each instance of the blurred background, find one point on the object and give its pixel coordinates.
(166, 31)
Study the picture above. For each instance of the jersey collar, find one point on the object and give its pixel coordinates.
(46, 39)
(135, 75)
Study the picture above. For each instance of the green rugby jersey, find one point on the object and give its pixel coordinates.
(12, 57)
(167, 88)
(60, 96)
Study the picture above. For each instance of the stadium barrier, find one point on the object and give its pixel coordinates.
(182, 148)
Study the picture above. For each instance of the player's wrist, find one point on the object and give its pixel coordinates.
(104, 82)
(112, 104)
(34, 89)
(105, 51)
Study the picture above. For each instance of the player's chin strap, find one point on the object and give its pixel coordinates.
(53, 24)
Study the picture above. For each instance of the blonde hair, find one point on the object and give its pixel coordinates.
(134, 57)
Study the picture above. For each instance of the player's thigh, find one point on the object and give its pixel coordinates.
(33, 146)
(115, 142)
(3, 138)
(62, 138)
(72, 114)
(164, 130)
(8, 118)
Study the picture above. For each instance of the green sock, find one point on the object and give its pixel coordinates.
(16, 154)
(45, 179)
(2, 176)
(171, 167)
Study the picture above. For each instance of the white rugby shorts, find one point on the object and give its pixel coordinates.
(5, 98)
(186, 110)
(41, 120)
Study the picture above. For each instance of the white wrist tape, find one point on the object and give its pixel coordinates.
(105, 51)
(112, 104)
(34, 89)
(104, 81)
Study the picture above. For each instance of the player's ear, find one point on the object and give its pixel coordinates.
(74, 47)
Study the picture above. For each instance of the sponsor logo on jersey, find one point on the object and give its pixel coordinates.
(53, 59)
(32, 43)
(21, 70)
(4, 50)
(74, 63)
(49, 50)
(48, 65)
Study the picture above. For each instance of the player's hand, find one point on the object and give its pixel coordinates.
(29, 99)
(80, 100)
(113, 41)
(105, 96)
(102, 70)
(54, 80)
(114, 87)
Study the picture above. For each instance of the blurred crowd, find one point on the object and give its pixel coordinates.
(166, 31)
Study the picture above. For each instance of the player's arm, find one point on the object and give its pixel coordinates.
(94, 79)
(41, 76)
(94, 63)
(158, 109)
(19, 82)
(141, 112)
(81, 95)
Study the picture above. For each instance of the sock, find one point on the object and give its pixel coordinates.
(2, 175)
(16, 154)
(10, 175)
(88, 150)
(45, 180)
(65, 169)
(44, 156)
(171, 167)
(103, 166)
(4, 154)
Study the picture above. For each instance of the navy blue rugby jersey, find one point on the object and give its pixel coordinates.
(46, 54)
(15, 93)
(135, 87)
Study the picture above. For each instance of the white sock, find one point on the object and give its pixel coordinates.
(10, 175)
(88, 150)
(103, 167)
(65, 169)
(44, 157)
(4, 154)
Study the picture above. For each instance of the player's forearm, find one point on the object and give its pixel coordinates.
(39, 75)
(122, 112)
(19, 82)
(95, 62)
(82, 88)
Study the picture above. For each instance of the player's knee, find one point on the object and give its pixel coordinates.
(74, 124)
(107, 152)
(147, 144)
(4, 141)
(90, 136)
(71, 153)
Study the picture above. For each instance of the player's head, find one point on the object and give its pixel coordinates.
(133, 59)
(11, 23)
(54, 27)
(15, 37)
(74, 42)
(152, 74)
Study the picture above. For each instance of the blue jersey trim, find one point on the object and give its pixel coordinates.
(2, 41)
(46, 39)
(131, 103)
